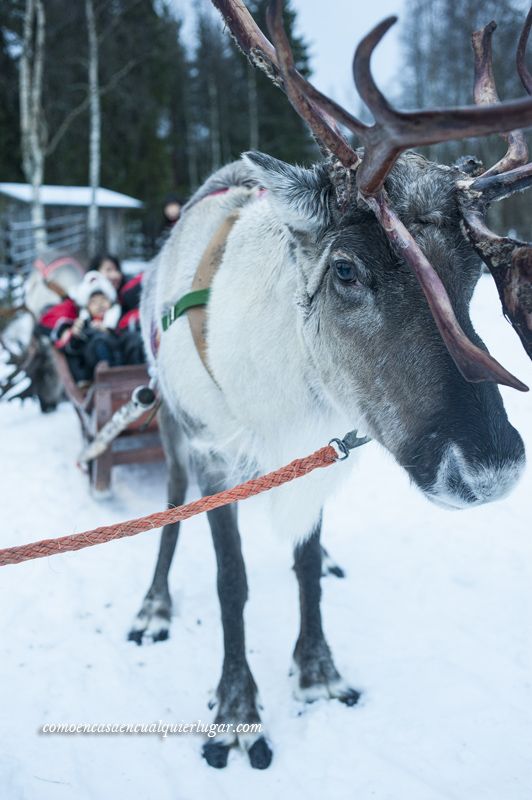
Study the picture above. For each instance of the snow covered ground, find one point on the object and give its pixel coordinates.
(432, 622)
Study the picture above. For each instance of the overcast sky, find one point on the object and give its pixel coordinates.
(332, 29)
(334, 34)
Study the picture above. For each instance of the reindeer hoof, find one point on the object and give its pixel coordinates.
(157, 630)
(216, 754)
(333, 569)
(152, 623)
(321, 683)
(330, 567)
(260, 754)
(161, 635)
(135, 636)
(349, 696)
(143, 636)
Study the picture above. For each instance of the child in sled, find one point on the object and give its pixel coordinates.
(91, 337)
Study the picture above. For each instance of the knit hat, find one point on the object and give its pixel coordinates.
(92, 282)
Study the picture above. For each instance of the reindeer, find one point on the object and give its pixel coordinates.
(340, 300)
(32, 372)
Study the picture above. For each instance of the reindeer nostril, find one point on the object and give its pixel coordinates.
(460, 483)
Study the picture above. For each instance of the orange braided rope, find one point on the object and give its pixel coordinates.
(323, 457)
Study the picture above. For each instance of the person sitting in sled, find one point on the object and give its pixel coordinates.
(128, 295)
(56, 317)
(92, 337)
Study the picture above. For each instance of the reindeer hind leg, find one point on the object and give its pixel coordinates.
(314, 670)
(152, 623)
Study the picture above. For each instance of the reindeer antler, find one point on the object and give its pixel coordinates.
(485, 93)
(509, 260)
(278, 64)
(392, 133)
(320, 123)
(512, 173)
(396, 131)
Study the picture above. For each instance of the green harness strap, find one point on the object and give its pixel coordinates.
(190, 300)
(205, 273)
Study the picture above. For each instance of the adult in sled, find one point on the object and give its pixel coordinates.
(129, 298)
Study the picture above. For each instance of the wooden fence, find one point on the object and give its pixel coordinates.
(65, 233)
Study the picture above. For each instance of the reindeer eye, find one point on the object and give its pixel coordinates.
(346, 271)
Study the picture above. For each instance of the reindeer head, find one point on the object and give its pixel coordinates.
(386, 247)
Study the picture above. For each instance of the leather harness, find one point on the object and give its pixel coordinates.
(207, 268)
(194, 302)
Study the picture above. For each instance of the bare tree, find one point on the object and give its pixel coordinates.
(37, 145)
(94, 127)
(214, 119)
(191, 149)
(32, 124)
(253, 108)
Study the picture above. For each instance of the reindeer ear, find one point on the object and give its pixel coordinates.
(300, 195)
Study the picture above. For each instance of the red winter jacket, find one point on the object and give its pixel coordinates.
(57, 317)
(129, 299)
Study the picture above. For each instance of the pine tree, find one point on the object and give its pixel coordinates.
(10, 155)
(282, 133)
(168, 116)
(234, 106)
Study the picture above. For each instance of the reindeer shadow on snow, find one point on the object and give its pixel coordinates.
(338, 298)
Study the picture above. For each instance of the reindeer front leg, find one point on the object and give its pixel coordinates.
(237, 691)
(314, 669)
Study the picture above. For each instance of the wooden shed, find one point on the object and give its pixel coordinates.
(66, 220)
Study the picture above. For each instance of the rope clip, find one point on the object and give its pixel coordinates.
(348, 443)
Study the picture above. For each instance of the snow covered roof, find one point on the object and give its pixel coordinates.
(70, 196)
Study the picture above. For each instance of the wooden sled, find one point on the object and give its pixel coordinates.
(111, 388)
